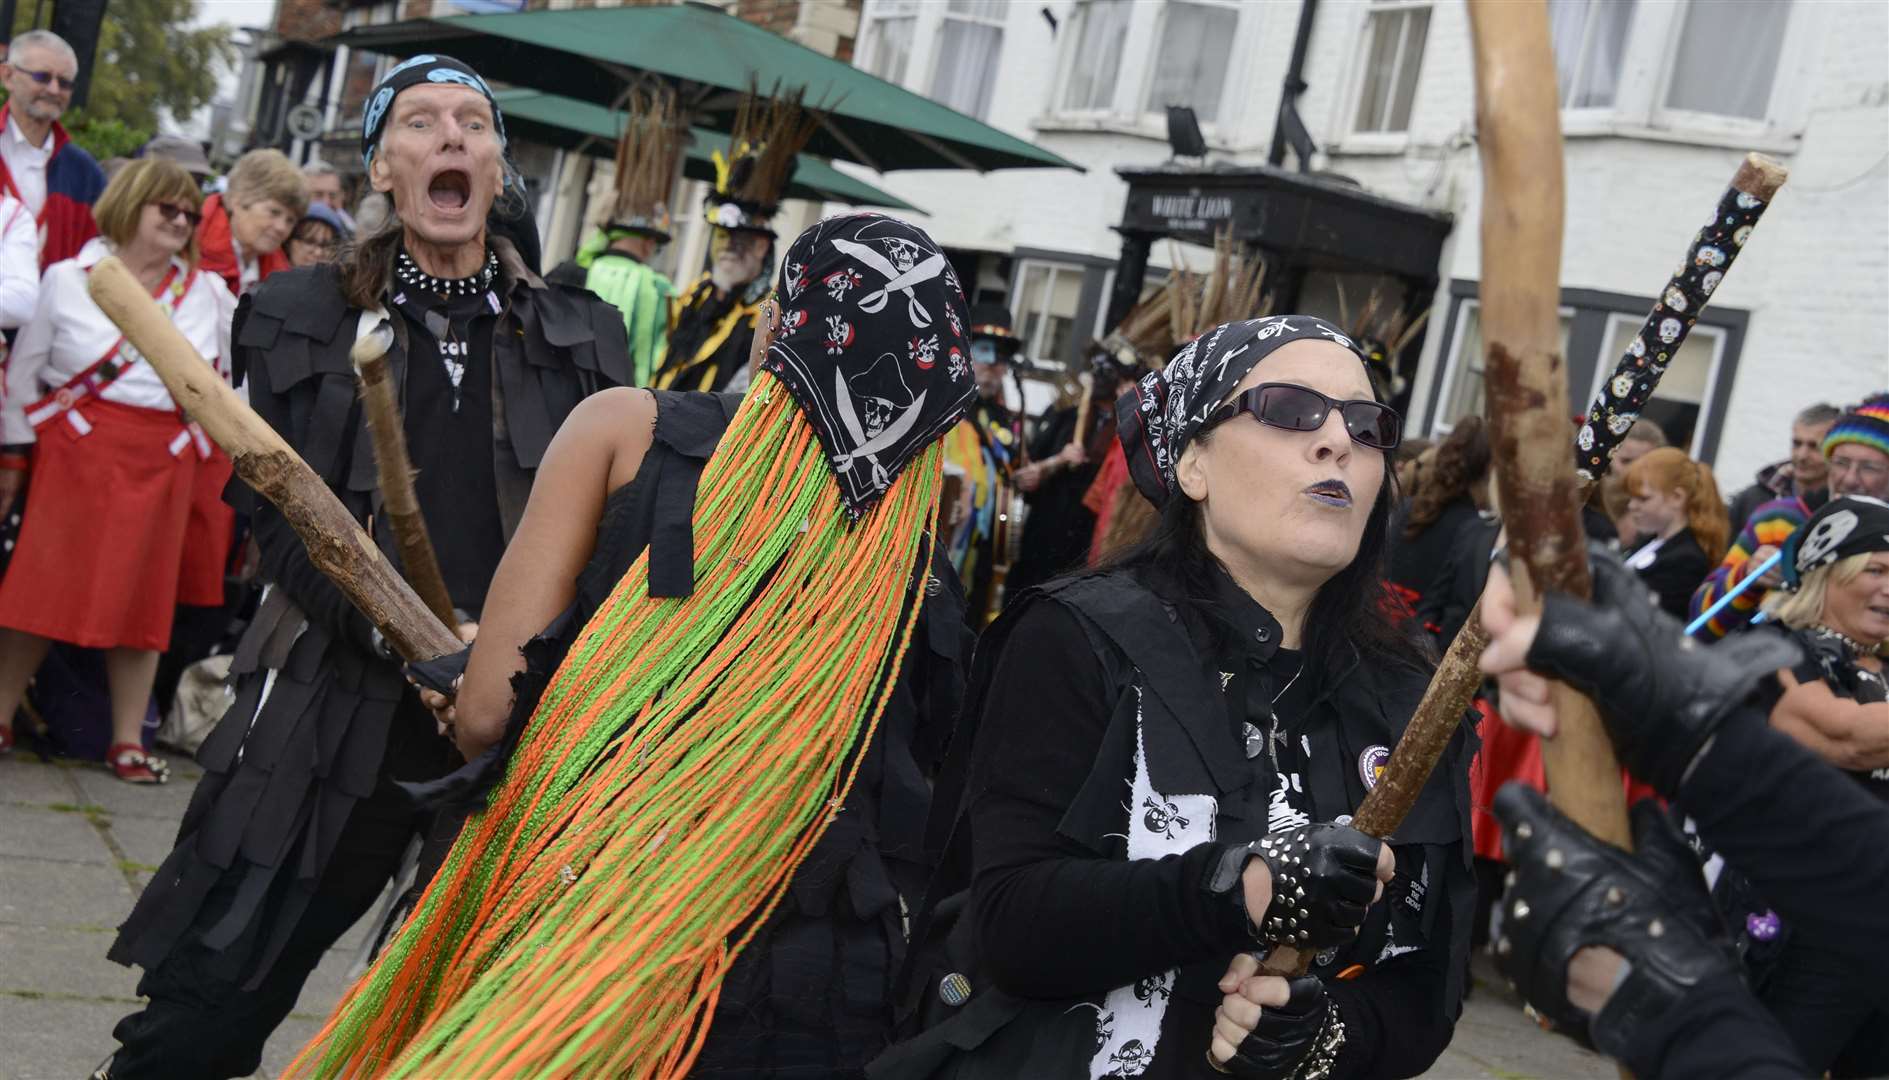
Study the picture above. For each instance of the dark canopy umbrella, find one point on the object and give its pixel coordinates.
(591, 54)
(579, 125)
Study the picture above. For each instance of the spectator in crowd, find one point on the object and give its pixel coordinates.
(1413, 457)
(1834, 605)
(245, 227)
(1643, 438)
(1675, 507)
(186, 152)
(1444, 513)
(1803, 475)
(109, 446)
(39, 164)
(324, 189)
(318, 236)
(1857, 453)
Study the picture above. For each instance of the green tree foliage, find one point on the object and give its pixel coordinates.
(147, 60)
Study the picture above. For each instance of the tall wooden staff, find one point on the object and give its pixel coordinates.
(336, 544)
(395, 469)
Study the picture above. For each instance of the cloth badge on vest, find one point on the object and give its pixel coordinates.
(872, 346)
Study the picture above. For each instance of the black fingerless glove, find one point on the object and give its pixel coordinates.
(1660, 693)
(1299, 1040)
(1570, 890)
(1323, 879)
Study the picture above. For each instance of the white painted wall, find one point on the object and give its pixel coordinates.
(1815, 277)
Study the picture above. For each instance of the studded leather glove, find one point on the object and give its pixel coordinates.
(1661, 694)
(1570, 890)
(1323, 879)
(1299, 1040)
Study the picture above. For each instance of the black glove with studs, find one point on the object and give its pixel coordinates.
(1661, 694)
(1299, 1039)
(1324, 876)
(1569, 891)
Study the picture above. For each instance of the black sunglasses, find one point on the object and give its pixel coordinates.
(1301, 408)
(171, 212)
(44, 78)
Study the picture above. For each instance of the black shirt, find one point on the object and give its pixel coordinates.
(449, 437)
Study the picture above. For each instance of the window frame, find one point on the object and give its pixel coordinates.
(935, 50)
(1019, 276)
(1352, 139)
(1647, 68)
(1604, 368)
(1594, 312)
(1229, 111)
(876, 12)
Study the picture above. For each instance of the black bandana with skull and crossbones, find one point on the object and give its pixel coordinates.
(871, 346)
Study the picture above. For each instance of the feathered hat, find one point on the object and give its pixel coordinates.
(768, 136)
(647, 154)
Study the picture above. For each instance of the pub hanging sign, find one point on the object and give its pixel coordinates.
(1188, 210)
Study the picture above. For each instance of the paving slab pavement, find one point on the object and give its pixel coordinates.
(76, 845)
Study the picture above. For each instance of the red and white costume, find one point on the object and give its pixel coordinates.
(124, 516)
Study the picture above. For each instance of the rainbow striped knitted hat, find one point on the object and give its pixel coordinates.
(1867, 424)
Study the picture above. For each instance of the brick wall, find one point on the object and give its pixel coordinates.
(306, 20)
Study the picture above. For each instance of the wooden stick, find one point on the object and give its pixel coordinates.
(336, 544)
(1518, 127)
(395, 469)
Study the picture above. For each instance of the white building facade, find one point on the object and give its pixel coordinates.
(1661, 100)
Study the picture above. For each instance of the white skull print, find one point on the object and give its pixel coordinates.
(1820, 544)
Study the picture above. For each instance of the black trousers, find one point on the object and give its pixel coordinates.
(1836, 1019)
(199, 1025)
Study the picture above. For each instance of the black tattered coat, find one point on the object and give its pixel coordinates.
(308, 735)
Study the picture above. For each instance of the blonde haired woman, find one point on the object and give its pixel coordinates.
(1835, 604)
(102, 556)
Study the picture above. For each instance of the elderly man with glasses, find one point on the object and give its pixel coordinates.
(40, 166)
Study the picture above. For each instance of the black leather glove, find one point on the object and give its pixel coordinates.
(1661, 694)
(1299, 1039)
(1570, 890)
(1323, 879)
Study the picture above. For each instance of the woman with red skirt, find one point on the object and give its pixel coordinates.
(103, 553)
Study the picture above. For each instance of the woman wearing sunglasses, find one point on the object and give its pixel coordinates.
(110, 542)
(1167, 752)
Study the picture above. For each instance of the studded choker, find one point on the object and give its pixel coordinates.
(409, 273)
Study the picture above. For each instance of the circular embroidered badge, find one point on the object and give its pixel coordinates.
(1371, 765)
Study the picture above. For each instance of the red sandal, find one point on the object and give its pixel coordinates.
(132, 765)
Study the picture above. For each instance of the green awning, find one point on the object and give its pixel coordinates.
(573, 124)
(591, 54)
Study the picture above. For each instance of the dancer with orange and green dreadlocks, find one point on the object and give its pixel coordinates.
(712, 801)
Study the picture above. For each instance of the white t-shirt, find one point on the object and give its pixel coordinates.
(27, 164)
(68, 334)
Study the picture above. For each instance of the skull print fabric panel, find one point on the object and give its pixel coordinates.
(1128, 1025)
(871, 346)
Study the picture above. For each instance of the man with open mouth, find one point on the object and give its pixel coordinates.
(297, 826)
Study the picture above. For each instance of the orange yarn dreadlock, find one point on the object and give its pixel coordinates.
(685, 758)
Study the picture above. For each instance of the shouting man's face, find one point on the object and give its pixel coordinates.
(441, 161)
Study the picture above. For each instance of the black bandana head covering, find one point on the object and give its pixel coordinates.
(1845, 526)
(425, 68)
(872, 346)
(1162, 412)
